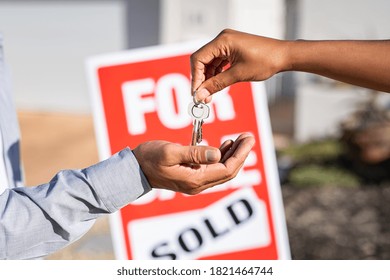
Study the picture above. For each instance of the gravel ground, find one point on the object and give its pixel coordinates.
(338, 223)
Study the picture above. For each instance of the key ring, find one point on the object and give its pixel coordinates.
(194, 99)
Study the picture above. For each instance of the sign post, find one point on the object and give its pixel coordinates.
(142, 95)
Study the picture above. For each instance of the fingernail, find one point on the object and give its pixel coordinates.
(202, 94)
(211, 156)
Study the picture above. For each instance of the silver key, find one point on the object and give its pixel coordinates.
(198, 112)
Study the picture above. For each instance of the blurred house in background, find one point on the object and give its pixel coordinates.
(46, 43)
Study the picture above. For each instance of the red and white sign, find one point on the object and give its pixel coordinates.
(142, 95)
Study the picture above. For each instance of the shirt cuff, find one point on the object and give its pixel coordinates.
(118, 180)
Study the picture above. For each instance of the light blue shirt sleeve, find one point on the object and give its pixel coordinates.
(36, 221)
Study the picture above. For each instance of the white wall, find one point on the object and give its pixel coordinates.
(262, 17)
(183, 20)
(46, 43)
(344, 19)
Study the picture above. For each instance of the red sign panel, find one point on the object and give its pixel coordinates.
(143, 95)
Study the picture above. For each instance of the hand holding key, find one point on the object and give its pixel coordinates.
(235, 56)
(192, 169)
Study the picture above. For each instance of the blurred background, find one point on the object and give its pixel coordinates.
(332, 140)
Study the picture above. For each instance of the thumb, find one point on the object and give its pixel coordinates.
(216, 83)
(199, 154)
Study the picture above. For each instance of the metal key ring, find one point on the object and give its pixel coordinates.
(194, 98)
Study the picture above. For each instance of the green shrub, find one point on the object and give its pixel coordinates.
(314, 151)
(318, 176)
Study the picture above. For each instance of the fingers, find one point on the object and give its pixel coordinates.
(195, 155)
(216, 83)
(236, 156)
(219, 173)
(208, 61)
(199, 62)
(215, 67)
(225, 147)
(192, 169)
(207, 65)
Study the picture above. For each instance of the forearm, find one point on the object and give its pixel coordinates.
(362, 63)
(36, 221)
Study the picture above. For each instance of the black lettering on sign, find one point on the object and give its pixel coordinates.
(240, 217)
(190, 239)
(156, 253)
(212, 229)
(184, 244)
